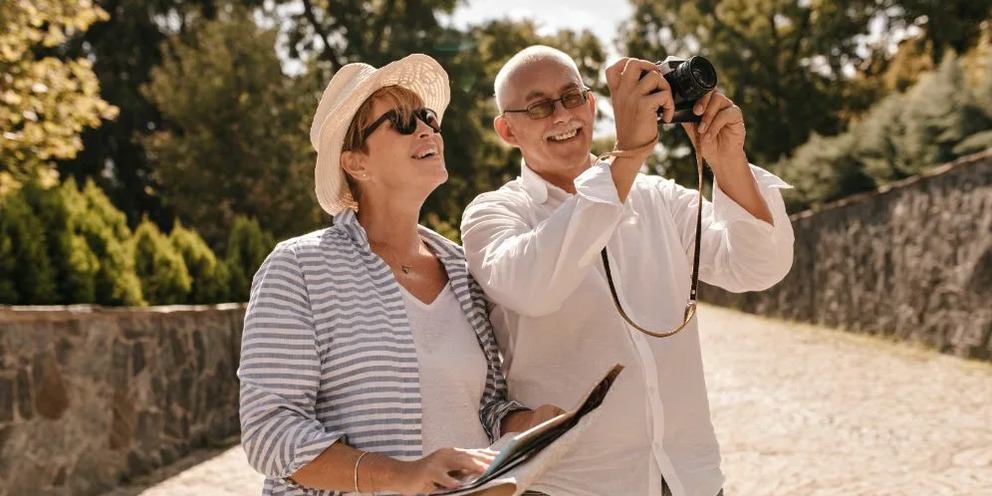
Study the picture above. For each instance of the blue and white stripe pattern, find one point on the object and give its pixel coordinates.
(327, 354)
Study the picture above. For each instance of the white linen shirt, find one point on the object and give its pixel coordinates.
(535, 251)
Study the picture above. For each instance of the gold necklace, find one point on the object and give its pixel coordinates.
(403, 267)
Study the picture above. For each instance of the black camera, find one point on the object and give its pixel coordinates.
(690, 80)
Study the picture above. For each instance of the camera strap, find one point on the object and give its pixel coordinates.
(690, 307)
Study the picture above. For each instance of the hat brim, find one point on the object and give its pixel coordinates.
(418, 73)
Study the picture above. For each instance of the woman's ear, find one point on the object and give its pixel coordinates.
(353, 164)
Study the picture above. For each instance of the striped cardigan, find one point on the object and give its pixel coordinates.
(327, 354)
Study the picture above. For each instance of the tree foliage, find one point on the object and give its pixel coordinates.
(235, 139)
(208, 275)
(937, 120)
(247, 248)
(160, 267)
(45, 102)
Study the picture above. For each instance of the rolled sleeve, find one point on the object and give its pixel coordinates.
(727, 210)
(280, 372)
(596, 185)
(494, 414)
(753, 254)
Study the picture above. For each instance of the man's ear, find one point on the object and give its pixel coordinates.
(592, 104)
(353, 164)
(504, 130)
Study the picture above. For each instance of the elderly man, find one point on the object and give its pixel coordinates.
(534, 246)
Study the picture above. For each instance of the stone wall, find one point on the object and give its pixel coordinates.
(90, 397)
(912, 261)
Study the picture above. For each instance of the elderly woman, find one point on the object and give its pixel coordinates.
(367, 345)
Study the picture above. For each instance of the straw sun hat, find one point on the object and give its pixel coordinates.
(346, 92)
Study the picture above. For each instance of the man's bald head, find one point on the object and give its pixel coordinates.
(523, 58)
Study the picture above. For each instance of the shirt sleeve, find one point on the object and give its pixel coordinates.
(739, 252)
(531, 269)
(280, 372)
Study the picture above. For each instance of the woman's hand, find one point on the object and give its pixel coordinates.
(435, 470)
(522, 420)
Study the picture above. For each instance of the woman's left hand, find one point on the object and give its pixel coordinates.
(521, 420)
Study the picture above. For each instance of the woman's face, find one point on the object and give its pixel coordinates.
(402, 165)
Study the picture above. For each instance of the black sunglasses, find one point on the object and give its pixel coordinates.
(571, 99)
(405, 126)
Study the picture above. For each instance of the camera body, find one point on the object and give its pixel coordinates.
(689, 79)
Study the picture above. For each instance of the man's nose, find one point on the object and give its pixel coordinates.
(560, 113)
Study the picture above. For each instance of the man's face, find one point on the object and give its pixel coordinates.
(556, 146)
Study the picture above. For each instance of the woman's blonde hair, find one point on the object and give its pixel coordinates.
(401, 99)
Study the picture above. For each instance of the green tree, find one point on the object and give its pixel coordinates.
(59, 209)
(948, 25)
(45, 103)
(939, 114)
(124, 48)
(823, 169)
(247, 248)
(236, 139)
(208, 274)
(160, 268)
(938, 120)
(982, 139)
(26, 269)
(105, 229)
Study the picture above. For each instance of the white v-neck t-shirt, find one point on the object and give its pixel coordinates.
(452, 372)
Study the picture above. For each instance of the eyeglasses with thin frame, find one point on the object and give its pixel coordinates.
(539, 110)
(405, 126)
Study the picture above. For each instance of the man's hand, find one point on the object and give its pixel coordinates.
(722, 145)
(521, 420)
(636, 101)
(721, 129)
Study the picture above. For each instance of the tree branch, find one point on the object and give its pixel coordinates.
(328, 53)
(380, 26)
(801, 33)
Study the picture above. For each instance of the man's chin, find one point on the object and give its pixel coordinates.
(571, 156)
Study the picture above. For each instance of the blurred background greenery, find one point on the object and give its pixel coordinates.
(153, 151)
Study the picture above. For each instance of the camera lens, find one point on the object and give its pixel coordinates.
(695, 78)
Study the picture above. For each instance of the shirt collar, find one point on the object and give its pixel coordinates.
(539, 188)
(533, 184)
(348, 219)
(449, 253)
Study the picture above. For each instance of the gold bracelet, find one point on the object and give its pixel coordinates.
(371, 471)
(359, 460)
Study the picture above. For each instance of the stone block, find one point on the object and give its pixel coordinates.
(123, 423)
(51, 399)
(25, 406)
(137, 358)
(6, 399)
